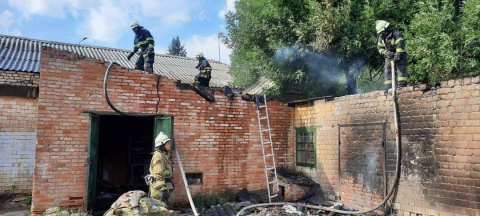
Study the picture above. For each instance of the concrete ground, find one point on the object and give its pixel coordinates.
(14, 205)
(16, 211)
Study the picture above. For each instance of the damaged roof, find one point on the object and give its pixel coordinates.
(259, 86)
(24, 54)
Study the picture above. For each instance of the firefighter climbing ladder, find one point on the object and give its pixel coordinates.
(266, 141)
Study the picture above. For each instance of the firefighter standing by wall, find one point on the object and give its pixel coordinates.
(144, 41)
(161, 168)
(391, 44)
(203, 78)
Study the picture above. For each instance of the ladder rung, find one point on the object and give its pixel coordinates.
(262, 118)
(262, 106)
(266, 143)
(268, 155)
(272, 182)
(270, 168)
(273, 196)
(265, 130)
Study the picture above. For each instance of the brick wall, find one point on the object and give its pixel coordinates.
(440, 147)
(219, 139)
(19, 78)
(18, 124)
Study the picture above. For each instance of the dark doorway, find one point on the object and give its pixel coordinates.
(125, 146)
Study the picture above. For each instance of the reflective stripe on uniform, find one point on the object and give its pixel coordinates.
(402, 78)
(399, 50)
(207, 69)
(141, 43)
(398, 40)
(150, 46)
(149, 38)
(387, 82)
(381, 51)
(380, 44)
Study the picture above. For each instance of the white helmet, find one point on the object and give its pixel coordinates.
(199, 54)
(381, 25)
(134, 24)
(161, 139)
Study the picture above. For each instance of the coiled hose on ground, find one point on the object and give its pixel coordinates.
(397, 168)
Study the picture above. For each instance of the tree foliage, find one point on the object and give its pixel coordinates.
(176, 48)
(444, 43)
(320, 47)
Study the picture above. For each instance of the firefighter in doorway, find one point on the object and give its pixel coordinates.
(161, 169)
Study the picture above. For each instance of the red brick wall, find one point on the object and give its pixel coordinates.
(18, 129)
(219, 139)
(440, 144)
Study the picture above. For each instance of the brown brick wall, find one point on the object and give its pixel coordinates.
(440, 144)
(219, 139)
(19, 78)
(18, 129)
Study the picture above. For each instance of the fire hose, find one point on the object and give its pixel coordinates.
(397, 168)
(105, 79)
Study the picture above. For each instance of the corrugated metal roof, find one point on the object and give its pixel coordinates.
(23, 54)
(259, 86)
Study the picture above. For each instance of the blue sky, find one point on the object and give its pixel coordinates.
(107, 22)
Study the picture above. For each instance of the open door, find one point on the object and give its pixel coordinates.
(165, 124)
(92, 160)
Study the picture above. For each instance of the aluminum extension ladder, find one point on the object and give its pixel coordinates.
(268, 155)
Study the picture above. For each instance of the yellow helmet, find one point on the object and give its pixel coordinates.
(199, 54)
(381, 25)
(134, 24)
(161, 139)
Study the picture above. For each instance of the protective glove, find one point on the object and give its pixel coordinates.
(397, 57)
(389, 54)
(149, 179)
(165, 196)
(150, 51)
(130, 55)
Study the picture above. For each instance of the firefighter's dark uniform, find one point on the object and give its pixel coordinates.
(144, 41)
(203, 78)
(395, 43)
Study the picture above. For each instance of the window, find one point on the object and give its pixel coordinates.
(194, 178)
(306, 155)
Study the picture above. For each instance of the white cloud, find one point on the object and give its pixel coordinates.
(209, 46)
(170, 12)
(52, 8)
(106, 23)
(229, 6)
(15, 32)
(6, 19)
(160, 50)
(202, 15)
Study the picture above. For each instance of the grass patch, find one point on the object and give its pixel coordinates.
(203, 200)
(28, 200)
(67, 212)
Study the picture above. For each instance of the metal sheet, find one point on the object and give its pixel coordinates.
(23, 54)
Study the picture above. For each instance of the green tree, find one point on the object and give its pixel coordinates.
(445, 39)
(319, 47)
(270, 38)
(469, 35)
(176, 48)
